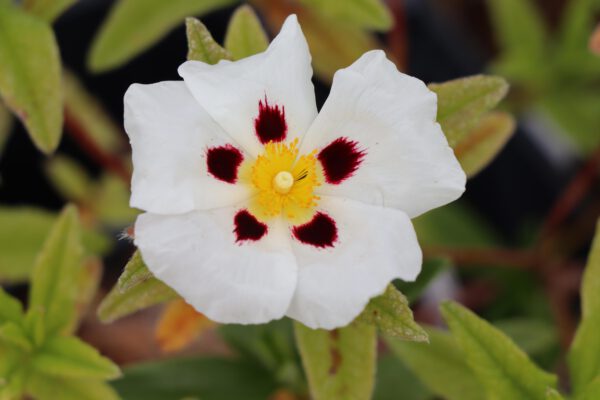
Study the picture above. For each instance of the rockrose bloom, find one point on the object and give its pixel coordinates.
(257, 206)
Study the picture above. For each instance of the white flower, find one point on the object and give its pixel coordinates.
(259, 207)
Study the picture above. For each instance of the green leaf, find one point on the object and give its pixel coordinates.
(5, 127)
(57, 269)
(371, 14)
(44, 387)
(135, 25)
(30, 80)
(339, 364)
(461, 102)
(395, 381)
(584, 355)
(112, 202)
(47, 10)
(391, 314)
(518, 26)
(22, 234)
(135, 273)
(481, 145)
(575, 111)
(270, 345)
(82, 109)
(591, 392)
(11, 309)
(468, 228)
(71, 358)
(333, 44)
(533, 336)
(245, 34)
(503, 369)
(202, 378)
(70, 179)
(13, 334)
(553, 394)
(201, 45)
(440, 365)
(136, 289)
(576, 26)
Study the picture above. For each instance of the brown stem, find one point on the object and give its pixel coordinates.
(572, 195)
(396, 37)
(109, 161)
(498, 257)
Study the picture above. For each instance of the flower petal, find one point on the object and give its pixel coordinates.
(405, 161)
(374, 246)
(263, 97)
(230, 282)
(170, 135)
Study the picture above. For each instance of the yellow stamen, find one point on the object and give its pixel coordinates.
(285, 183)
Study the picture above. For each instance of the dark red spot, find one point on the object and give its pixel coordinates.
(247, 227)
(270, 124)
(223, 162)
(321, 231)
(340, 159)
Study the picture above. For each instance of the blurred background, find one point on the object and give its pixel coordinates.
(512, 248)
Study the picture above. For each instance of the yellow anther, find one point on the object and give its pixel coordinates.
(283, 182)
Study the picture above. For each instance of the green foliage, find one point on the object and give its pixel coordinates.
(462, 102)
(106, 200)
(10, 308)
(137, 289)
(245, 34)
(30, 80)
(501, 367)
(591, 392)
(54, 279)
(87, 113)
(484, 142)
(552, 394)
(70, 357)
(202, 378)
(134, 25)
(5, 127)
(69, 178)
(468, 229)
(371, 14)
(333, 44)
(37, 357)
(395, 381)
(42, 387)
(339, 364)
(201, 45)
(47, 10)
(555, 73)
(584, 355)
(440, 365)
(391, 314)
(519, 28)
(270, 346)
(533, 336)
(22, 232)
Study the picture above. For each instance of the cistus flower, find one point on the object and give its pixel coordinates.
(257, 206)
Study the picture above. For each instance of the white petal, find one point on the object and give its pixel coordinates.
(375, 245)
(169, 134)
(408, 163)
(196, 254)
(230, 91)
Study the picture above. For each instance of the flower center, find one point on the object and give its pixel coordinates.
(285, 183)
